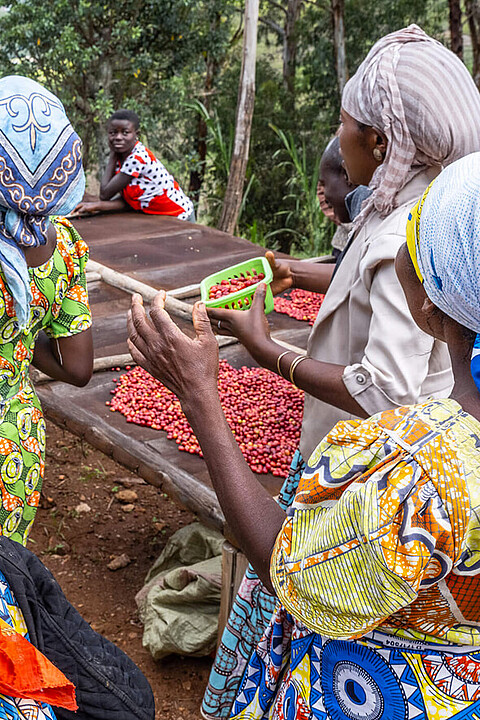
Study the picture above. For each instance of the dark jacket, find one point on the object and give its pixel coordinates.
(109, 685)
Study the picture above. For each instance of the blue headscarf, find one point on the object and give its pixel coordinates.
(443, 238)
(40, 175)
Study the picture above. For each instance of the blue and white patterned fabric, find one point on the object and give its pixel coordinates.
(448, 248)
(40, 175)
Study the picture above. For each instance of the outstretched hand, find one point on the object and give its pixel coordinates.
(188, 367)
(250, 327)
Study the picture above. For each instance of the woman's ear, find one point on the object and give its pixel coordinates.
(381, 143)
(377, 144)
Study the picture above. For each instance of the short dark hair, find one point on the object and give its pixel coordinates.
(332, 157)
(124, 114)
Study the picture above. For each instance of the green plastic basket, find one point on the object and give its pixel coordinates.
(241, 299)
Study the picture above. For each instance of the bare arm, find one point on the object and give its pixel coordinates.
(112, 183)
(118, 205)
(68, 359)
(189, 368)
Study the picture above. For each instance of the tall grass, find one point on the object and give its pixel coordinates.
(303, 217)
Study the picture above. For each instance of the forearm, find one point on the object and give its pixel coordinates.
(321, 380)
(252, 514)
(311, 276)
(69, 359)
(117, 205)
(46, 358)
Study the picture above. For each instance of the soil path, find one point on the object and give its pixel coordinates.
(77, 543)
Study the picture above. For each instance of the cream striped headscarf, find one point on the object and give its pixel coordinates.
(423, 99)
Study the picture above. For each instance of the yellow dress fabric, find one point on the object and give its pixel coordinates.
(60, 308)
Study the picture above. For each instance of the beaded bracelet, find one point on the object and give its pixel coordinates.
(282, 355)
(294, 364)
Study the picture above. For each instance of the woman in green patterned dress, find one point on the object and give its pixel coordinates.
(44, 313)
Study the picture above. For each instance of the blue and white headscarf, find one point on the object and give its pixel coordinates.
(443, 238)
(40, 175)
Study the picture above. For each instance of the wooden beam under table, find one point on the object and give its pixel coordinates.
(137, 456)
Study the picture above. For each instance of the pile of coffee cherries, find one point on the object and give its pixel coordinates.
(299, 304)
(263, 410)
(234, 284)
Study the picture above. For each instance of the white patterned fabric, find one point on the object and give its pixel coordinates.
(423, 99)
(152, 189)
(448, 246)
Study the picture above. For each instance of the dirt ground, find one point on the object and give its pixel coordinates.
(81, 527)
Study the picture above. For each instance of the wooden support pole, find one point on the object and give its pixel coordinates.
(129, 284)
(173, 305)
(137, 456)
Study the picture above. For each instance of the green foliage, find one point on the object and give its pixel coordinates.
(177, 62)
(305, 212)
(101, 55)
(220, 145)
(90, 473)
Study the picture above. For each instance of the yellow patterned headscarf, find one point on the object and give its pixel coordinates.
(413, 232)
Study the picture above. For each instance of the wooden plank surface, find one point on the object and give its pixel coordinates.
(162, 252)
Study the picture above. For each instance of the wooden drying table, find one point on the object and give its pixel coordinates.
(164, 253)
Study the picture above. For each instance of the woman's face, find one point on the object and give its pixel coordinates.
(356, 146)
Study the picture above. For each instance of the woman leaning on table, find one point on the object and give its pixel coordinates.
(410, 108)
(44, 312)
(376, 563)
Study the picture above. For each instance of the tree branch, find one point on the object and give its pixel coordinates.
(277, 5)
(273, 26)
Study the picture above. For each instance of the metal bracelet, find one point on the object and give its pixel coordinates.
(293, 366)
(282, 355)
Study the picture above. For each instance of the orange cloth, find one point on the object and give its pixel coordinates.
(26, 673)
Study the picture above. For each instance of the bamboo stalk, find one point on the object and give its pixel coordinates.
(125, 282)
(99, 364)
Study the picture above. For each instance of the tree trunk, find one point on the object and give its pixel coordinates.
(337, 8)
(455, 18)
(197, 175)
(472, 10)
(243, 124)
(103, 84)
(290, 45)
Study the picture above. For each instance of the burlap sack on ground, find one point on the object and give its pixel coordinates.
(180, 601)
